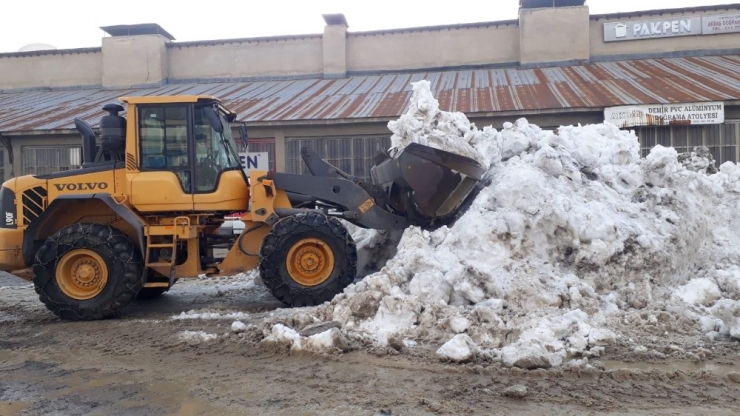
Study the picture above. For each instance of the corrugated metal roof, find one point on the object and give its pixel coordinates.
(593, 85)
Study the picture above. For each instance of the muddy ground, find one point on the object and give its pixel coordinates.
(139, 364)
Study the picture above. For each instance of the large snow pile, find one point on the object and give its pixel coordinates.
(574, 234)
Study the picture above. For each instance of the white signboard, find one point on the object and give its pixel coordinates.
(648, 29)
(721, 23)
(666, 114)
(254, 161)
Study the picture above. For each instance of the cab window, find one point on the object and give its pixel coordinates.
(163, 131)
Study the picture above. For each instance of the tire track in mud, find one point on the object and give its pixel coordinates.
(139, 364)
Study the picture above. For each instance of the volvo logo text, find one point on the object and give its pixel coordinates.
(86, 186)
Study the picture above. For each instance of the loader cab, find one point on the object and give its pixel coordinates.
(187, 156)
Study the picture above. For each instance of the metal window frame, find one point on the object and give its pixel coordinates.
(323, 151)
(188, 132)
(272, 155)
(737, 138)
(48, 147)
(645, 133)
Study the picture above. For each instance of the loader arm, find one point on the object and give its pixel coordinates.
(419, 186)
(352, 202)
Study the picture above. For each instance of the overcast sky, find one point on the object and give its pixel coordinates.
(76, 23)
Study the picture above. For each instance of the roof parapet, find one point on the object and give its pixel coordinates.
(136, 30)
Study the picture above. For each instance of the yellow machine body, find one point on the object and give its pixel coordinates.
(169, 216)
(148, 205)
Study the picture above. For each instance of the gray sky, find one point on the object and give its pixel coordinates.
(76, 23)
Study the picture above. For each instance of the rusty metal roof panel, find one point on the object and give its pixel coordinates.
(481, 90)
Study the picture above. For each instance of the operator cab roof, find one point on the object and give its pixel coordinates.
(167, 99)
(174, 99)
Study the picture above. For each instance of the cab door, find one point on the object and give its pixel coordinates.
(165, 181)
(219, 183)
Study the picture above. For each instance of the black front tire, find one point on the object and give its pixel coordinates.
(124, 271)
(286, 233)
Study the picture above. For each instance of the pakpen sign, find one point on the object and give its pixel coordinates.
(647, 29)
(666, 114)
(672, 27)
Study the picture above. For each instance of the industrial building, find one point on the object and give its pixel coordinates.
(671, 75)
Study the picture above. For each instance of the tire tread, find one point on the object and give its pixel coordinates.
(122, 258)
(273, 250)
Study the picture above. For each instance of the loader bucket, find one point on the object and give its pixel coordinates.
(427, 185)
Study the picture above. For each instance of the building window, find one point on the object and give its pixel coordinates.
(41, 160)
(264, 145)
(353, 155)
(730, 141)
(720, 139)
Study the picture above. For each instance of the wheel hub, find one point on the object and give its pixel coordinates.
(81, 274)
(310, 262)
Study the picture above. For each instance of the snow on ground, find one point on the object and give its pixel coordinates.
(196, 337)
(575, 234)
(210, 315)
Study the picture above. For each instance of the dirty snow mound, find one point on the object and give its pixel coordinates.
(574, 233)
(324, 342)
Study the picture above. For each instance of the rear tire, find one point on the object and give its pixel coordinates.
(307, 259)
(87, 272)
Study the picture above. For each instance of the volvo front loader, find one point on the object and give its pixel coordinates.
(145, 207)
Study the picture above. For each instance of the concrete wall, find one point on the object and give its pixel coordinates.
(540, 37)
(554, 34)
(134, 60)
(413, 49)
(248, 58)
(55, 69)
(334, 51)
(599, 48)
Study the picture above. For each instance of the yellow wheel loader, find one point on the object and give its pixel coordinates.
(144, 210)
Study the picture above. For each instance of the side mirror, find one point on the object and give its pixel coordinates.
(243, 136)
(213, 119)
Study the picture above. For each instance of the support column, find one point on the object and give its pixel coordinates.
(554, 35)
(335, 46)
(135, 56)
